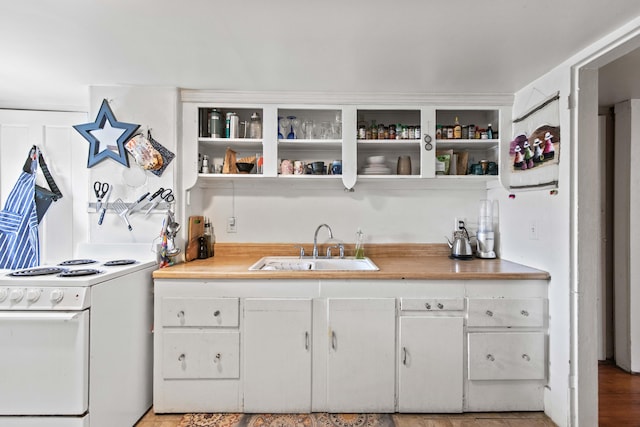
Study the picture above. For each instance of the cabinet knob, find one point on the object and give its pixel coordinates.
(180, 314)
(440, 306)
(489, 313)
(216, 313)
(217, 358)
(490, 357)
(525, 313)
(181, 358)
(526, 357)
(427, 306)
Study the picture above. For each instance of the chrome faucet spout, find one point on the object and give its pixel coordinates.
(315, 238)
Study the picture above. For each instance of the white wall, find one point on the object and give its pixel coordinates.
(551, 251)
(150, 107)
(385, 212)
(626, 285)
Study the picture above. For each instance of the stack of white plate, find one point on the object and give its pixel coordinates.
(376, 166)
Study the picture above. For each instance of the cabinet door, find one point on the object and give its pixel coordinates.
(277, 355)
(360, 364)
(431, 364)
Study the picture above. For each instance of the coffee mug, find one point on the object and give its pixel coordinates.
(318, 168)
(308, 169)
(476, 169)
(286, 167)
(336, 167)
(492, 168)
(298, 167)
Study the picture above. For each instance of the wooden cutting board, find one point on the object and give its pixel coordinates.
(195, 231)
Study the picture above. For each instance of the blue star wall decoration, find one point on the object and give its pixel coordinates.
(107, 137)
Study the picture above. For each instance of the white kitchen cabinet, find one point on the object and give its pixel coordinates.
(506, 353)
(361, 359)
(430, 364)
(277, 355)
(506, 356)
(196, 353)
(417, 144)
(343, 346)
(341, 143)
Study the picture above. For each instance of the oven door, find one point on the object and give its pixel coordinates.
(45, 362)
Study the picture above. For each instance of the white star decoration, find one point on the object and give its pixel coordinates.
(107, 137)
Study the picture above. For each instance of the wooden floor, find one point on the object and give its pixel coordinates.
(618, 397)
(619, 405)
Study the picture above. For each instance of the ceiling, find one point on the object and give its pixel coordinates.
(53, 50)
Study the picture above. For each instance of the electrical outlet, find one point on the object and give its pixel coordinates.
(533, 230)
(232, 225)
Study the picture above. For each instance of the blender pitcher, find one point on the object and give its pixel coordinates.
(485, 235)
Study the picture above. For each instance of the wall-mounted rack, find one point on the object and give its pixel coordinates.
(160, 208)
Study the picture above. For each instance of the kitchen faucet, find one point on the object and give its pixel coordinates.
(315, 238)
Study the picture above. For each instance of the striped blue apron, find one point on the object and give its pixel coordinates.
(19, 243)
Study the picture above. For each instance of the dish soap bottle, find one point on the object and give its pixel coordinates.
(359, 253)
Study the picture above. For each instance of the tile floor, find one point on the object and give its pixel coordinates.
(491, 419)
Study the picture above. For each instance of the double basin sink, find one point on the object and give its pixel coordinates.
(285, 263)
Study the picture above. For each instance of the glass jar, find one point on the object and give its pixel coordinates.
(255, 126)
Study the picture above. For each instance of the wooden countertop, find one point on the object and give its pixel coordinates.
(396, 262)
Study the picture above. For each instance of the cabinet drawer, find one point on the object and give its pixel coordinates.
(197, 354)
(526, 312)
(431, 304)
(506, 356)
(211, 312)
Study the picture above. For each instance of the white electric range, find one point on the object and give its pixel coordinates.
(77, 342)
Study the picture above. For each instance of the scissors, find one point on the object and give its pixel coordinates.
(100, 188)
(165, 194)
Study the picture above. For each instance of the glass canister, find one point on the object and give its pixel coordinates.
(216, 124)
(255, 126)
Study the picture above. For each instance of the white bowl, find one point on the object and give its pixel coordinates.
(376, 160)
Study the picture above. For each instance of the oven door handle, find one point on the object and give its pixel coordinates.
(39, 315)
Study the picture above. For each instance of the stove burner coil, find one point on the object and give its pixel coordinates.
(78, 262)
(79, 272)
(120, 262)
(38, 271)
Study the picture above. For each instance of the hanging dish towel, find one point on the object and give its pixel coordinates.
(19, 243)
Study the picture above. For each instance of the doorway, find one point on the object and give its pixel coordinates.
(588, 254)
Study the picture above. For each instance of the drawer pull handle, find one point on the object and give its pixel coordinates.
(180, 314)
(490, 357)
(440, 306)
(217, 358)
(489, 313)
(216, 313)
(404, 356)
(427, 306)
(306, 340)
(525, 313)
(334, 341)
(526, 357)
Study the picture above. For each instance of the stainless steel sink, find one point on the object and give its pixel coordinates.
(284, 263)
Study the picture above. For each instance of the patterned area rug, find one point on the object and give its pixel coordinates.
(287, 420)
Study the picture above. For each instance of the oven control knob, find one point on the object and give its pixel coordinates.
(33, 295)
(3, 294)
(16, 295)
(56, 296)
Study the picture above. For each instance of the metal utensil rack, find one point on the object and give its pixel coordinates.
(161, 208)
